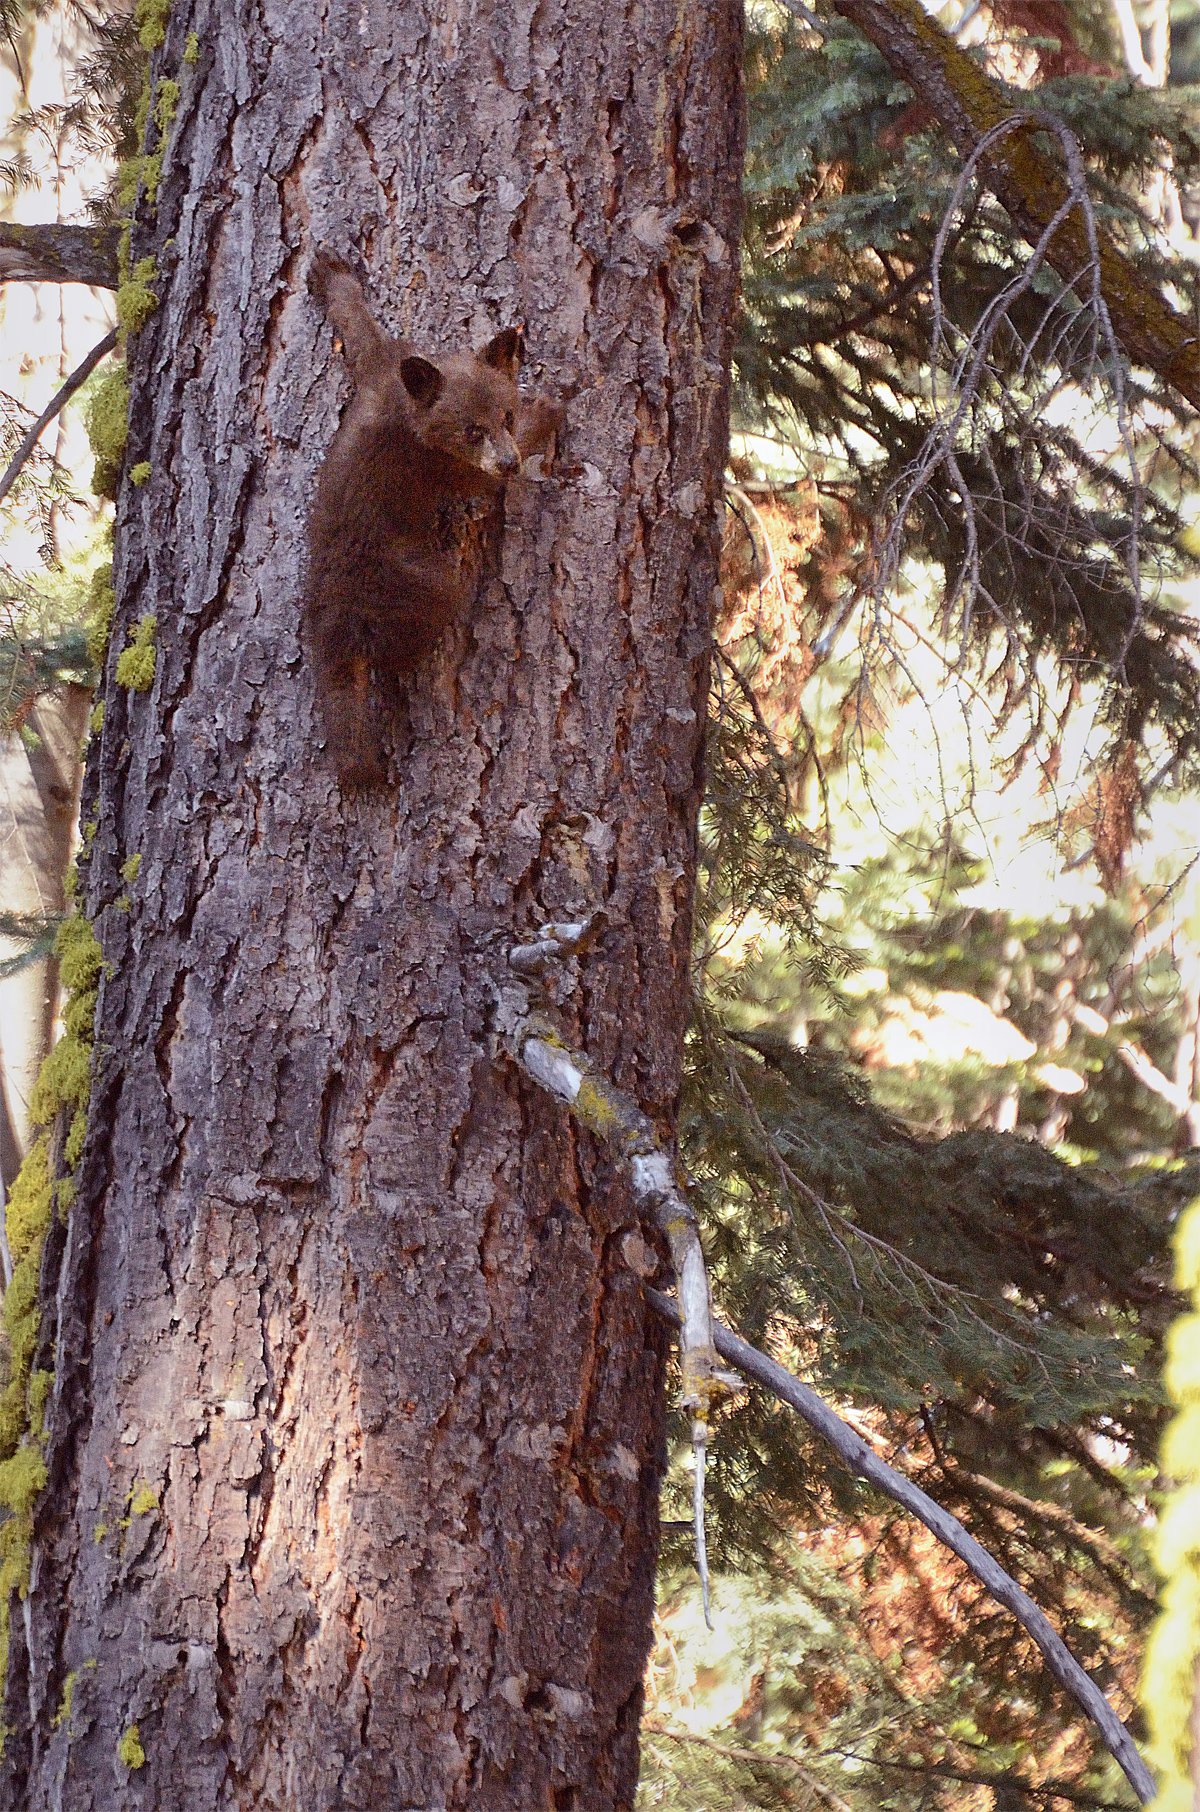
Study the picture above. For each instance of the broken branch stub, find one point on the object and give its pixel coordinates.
(616, 1119)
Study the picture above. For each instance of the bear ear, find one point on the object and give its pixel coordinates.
(505, 351)
(422, 380)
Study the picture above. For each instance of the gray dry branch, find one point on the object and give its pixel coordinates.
(357, 1422)
(61, 396)
(1077, 348)
(862, 1459)
(616, 1119)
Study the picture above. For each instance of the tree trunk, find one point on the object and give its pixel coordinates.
(38, 790)
(357, 1424)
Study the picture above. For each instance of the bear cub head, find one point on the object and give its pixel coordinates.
(467, 405)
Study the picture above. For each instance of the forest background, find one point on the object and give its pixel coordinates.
(943, 1096)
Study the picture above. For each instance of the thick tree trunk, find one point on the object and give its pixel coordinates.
(357, 1422)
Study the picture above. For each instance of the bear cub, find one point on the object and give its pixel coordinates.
(406, 500)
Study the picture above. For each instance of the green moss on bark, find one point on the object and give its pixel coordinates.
(64, 1083)
(135, 665)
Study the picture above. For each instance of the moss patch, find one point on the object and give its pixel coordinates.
(130, 1750)
(135, 664)
(64, 1082)
(101, 603)
(150, 17)
(108, 432)
(136, 301)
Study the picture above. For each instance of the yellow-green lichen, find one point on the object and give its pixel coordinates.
(65, 1079)
(63, 1082)
(99, 1532)
(140, 473)
(191, 52)
(63, 1714)
(40, 1385)
(108, 431)
(150, 17)
(136, 301)
(1172, 1665)
(130, 1750)
(143, 1500)
(165, 103)
(130, 867)
(96, 720)
(102, 599)
(595, 1108)
(135, 665)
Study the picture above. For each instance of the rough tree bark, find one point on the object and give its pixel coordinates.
(357, 1423)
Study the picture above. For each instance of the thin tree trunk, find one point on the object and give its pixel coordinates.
(38, 791)
(357, 1422)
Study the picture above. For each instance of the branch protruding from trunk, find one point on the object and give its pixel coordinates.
(619, 1122)
(63, 395)
(48, 253)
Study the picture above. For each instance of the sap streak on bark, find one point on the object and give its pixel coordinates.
(349, 1373)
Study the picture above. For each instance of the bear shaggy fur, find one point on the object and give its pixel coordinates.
(405, 503)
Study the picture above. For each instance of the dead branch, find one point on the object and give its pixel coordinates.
(860, 1459)
(619, 1122)
(82, 371)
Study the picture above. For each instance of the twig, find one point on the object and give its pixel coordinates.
(81, 371)
(859, 1457)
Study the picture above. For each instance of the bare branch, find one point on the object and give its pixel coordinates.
(860, 1458)
(617, 1119)
(59, 254)
(77, 377)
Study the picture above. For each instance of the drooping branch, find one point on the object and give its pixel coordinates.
(1029, 184)
(48, 253)
(861, 1459)
(63, 395)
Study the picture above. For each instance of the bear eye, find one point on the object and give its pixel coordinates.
(476, 435)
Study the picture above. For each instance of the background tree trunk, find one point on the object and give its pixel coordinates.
(357, 1423)
(38, 790)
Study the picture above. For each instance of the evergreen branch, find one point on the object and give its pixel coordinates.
(1106, 1555)
(47, 253)
(860, 1459)
(82, 371)
(36, 930)
(970, 105)
(755, 1758)
(907, 1266)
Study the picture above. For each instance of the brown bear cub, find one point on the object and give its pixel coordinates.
(405, 502)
